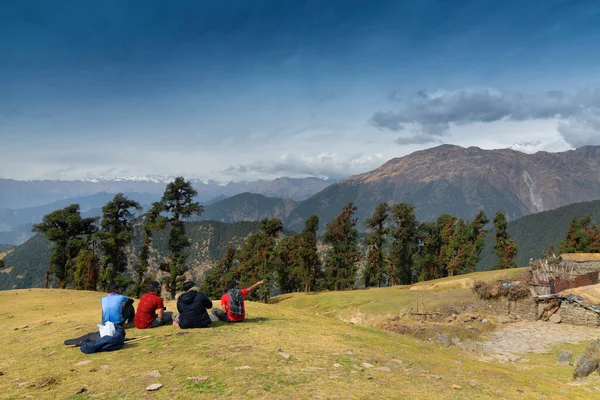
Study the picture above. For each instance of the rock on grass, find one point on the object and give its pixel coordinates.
(154, 387)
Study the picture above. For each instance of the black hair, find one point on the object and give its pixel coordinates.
(114, 288)
(188, 285)
(231, 285)
(154, 286)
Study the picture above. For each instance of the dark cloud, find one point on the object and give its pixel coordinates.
(582, 129)
(434, 112)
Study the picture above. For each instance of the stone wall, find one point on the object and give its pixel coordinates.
(575, 314)
(523, 308)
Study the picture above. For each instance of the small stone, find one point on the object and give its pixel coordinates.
(484, 320)
(524, 360)
(154, 374)
(104, 366)
(242, 368)
(443, 339)
(81, 391)
(512, 357)
(121, 380)
(564, 357)
(383, 369)
(337, 365)
(284, 355)
(456, 387)
(555, 319)
(395, 360)
(367, 365)
(369, 377)
(349, 353)
(473, 384)
(154, 387)
(197, 379)
(80, 363)
(504, 319)
(354, 372)
(438, 377)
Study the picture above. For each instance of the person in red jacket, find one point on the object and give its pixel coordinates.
(232, 302)
(151, 310)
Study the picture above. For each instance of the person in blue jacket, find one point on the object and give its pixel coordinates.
(117, 308)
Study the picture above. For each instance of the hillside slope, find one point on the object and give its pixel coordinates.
(248, 207)
(462, 181)
(535, 233)
(279, 352)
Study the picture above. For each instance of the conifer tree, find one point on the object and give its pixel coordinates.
(215, 281)
(308, 263)
(178, 203)
(287, 264)
(152, 222)
(404, 244)
(116, 233)
(342, 237)
(375, 262)
(69, 234)
(577, 239)
(258, 257)
(505, 248)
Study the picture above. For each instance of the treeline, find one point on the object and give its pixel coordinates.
(399, 250)
(583, 236)
(89, 253)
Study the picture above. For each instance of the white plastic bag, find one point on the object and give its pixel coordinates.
(106, 330)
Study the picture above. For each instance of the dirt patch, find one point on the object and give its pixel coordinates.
(5, 270)
(536, 337)
(461, 283)
(427, 326)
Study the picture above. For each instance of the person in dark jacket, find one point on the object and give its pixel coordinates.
(192, 306)
(106, 343)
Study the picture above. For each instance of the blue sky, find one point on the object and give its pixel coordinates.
(259, 89)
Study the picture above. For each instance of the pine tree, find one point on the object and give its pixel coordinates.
(308, 263)
(375, 263)
(475, 241)
(86, 271)
(258, 257)
(577, 239)
(287, 264)
(405, 243)
(152, 222)
(342, 237)
(505, 249)
(116, 233)
(178, 202)
(69, 233)
(215, 281)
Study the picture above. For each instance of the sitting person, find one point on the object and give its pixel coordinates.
(233, 303)
(151, 310)
(117, 308)
(192, 306)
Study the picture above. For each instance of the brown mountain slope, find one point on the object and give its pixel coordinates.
(461, 181)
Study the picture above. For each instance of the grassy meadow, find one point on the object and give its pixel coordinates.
(329, 358)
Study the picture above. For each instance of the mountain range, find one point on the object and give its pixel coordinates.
(25, 194)
(462, 181)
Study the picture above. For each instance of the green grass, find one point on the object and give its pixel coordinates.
(315, 343)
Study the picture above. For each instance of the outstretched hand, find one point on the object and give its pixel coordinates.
(260, 282)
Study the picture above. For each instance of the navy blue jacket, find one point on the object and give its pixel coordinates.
(192, 307)
(106, 343)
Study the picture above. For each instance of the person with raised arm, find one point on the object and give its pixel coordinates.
(232, 302)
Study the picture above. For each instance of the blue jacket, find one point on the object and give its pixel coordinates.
(106, 343)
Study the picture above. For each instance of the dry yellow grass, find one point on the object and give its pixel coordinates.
(325, 358)
(581, 257)
(590, 293)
